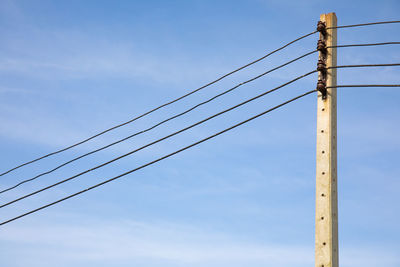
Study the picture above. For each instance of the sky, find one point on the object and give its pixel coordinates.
(70, 69)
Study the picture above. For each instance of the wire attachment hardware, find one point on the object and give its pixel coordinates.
(321, 66)
(321, 27)
(321, 87)
(323, 53)
(321, 47)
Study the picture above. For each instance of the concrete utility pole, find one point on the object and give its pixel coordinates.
(326, 213)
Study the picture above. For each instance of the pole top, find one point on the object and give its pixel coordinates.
(328, 17)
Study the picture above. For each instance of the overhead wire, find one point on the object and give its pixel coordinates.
(157, 141)
(368, 44)
(177, 99)
(364, 85)
(363, 24)
(157, 160)
(364, 65)
(157, 124)
(159, 107)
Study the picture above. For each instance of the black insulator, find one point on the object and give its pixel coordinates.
(321, 87)
(321, 27)
(321, 46)
(321, 66)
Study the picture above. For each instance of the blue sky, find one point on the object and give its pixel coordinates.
(72, 68)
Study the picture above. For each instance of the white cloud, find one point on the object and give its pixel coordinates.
(13, 90)
(64, 55)
(131, 241)
(372, 135)
(368, 257)
(41, 128)
(123, 242)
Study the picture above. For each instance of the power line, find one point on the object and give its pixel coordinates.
(370, 44)
(180, 114)
(365, 85)
(158, 124)
(157, 160)
(161, 106)
(364, 65)
(156, 141)
(192, 92)
(364, 24)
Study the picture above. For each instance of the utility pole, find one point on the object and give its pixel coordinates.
(326, 212)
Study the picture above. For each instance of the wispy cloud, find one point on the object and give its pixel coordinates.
(130, 241)
(379, 133)
(67, 54)
(42, 129)
(13, 90)
(167, 244)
